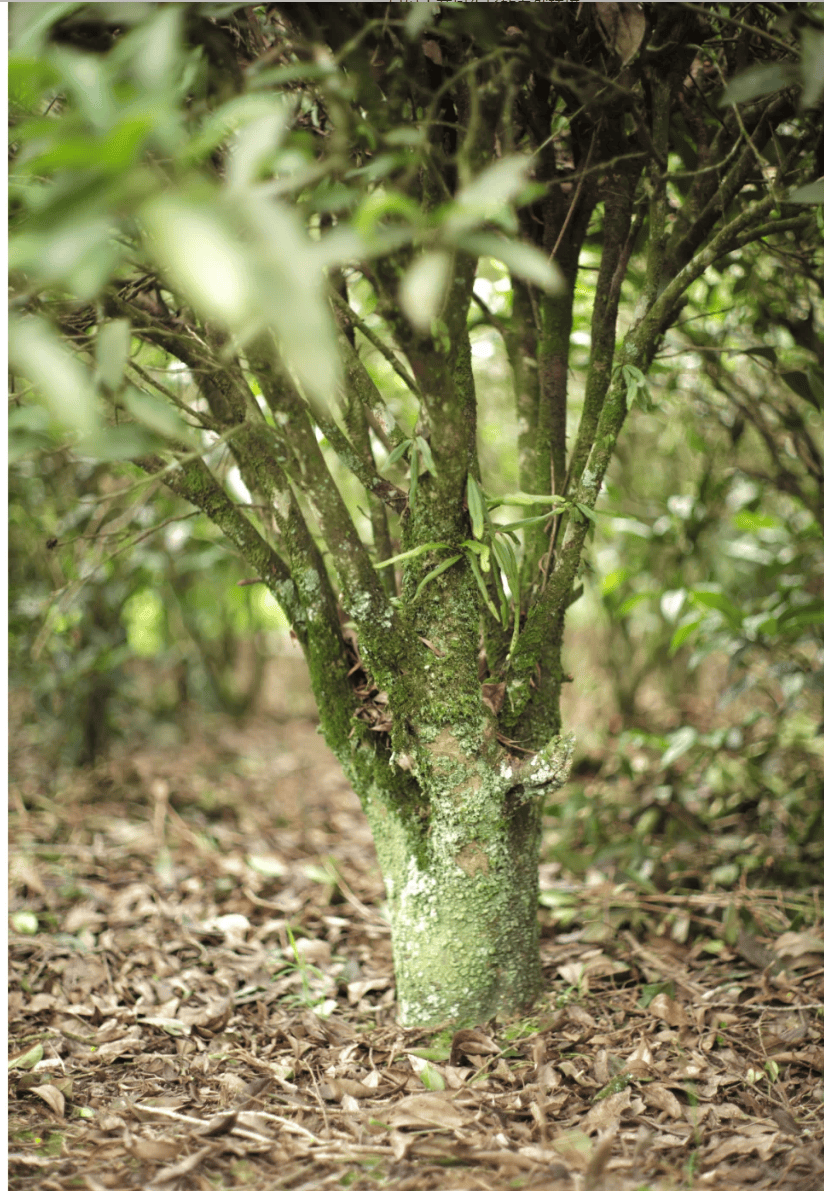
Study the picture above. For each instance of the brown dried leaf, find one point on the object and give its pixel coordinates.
(426, 1110)
(606, 1112)
(668, 1010)
(185, 1166)
(471, 1042)
(52, 1096)
(150, 1149)
(657, 1096)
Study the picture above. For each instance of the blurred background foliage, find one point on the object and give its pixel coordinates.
(697, 652)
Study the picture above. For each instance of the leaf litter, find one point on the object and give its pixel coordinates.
(201, 996)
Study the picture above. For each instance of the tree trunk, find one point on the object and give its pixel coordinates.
(460, 863)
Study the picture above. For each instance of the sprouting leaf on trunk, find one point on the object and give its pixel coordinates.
(479, 579)
(585, 511)
(522, 522)
(477, 507)
(503, 602)
(523, 500)
(418, 550)
(426, 454)
(505, 556)
(399, 451)
(637, 388)
(433, 574)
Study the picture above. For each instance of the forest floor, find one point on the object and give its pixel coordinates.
(201, 996)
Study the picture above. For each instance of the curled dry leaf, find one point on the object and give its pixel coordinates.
(471, 1042)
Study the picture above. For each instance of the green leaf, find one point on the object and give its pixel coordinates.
(758, 81)
(523, 522)
(482, 199)
(680, 743)
(158, 415)
(509, 565)
(681, 634)
(799, 382)
(29, 1060)
(813, 192)
(720, 603)
(220, 126)
(112, 351)
(115, 442)
(431, 1078)
(24, 922)
(79, 251)
(254, 146)
(399, 451)
(427, 546)
(30, 25)
(767, 353)
(294, 72)
(479, 579)
(523, 500)
(523, 260)
(749, 522)
(204, 257)
(613, 580)
(812, 65)
(433, 574)
(495, 571)
(423, 287)
(63, 384)
(632, 602)
(801, 615)
(155, 49)
(30, 430)
(585, 511)
(420, 15)
(477, 506)
(637, 387)
(426, 453)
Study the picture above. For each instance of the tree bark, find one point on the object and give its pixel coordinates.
(460, 863)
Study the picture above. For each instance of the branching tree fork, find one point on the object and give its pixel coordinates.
(428, 137)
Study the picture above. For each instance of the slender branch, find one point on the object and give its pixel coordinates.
(193, 481)
(203, 420)
(363, 593)
(715, 15)
(349, 314)
(360, 466)
(360, 385)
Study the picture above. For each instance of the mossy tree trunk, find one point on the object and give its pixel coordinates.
(438, 686)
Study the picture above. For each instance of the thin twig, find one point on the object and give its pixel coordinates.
(369, 334)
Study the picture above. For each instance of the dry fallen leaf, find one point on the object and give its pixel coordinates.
(668, 1010)
(427, 1110)
(53, 1097)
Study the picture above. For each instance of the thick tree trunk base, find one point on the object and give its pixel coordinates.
(465, 943)
(457, 834)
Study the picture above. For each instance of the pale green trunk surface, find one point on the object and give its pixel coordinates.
(465, 930)
(462, 883)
